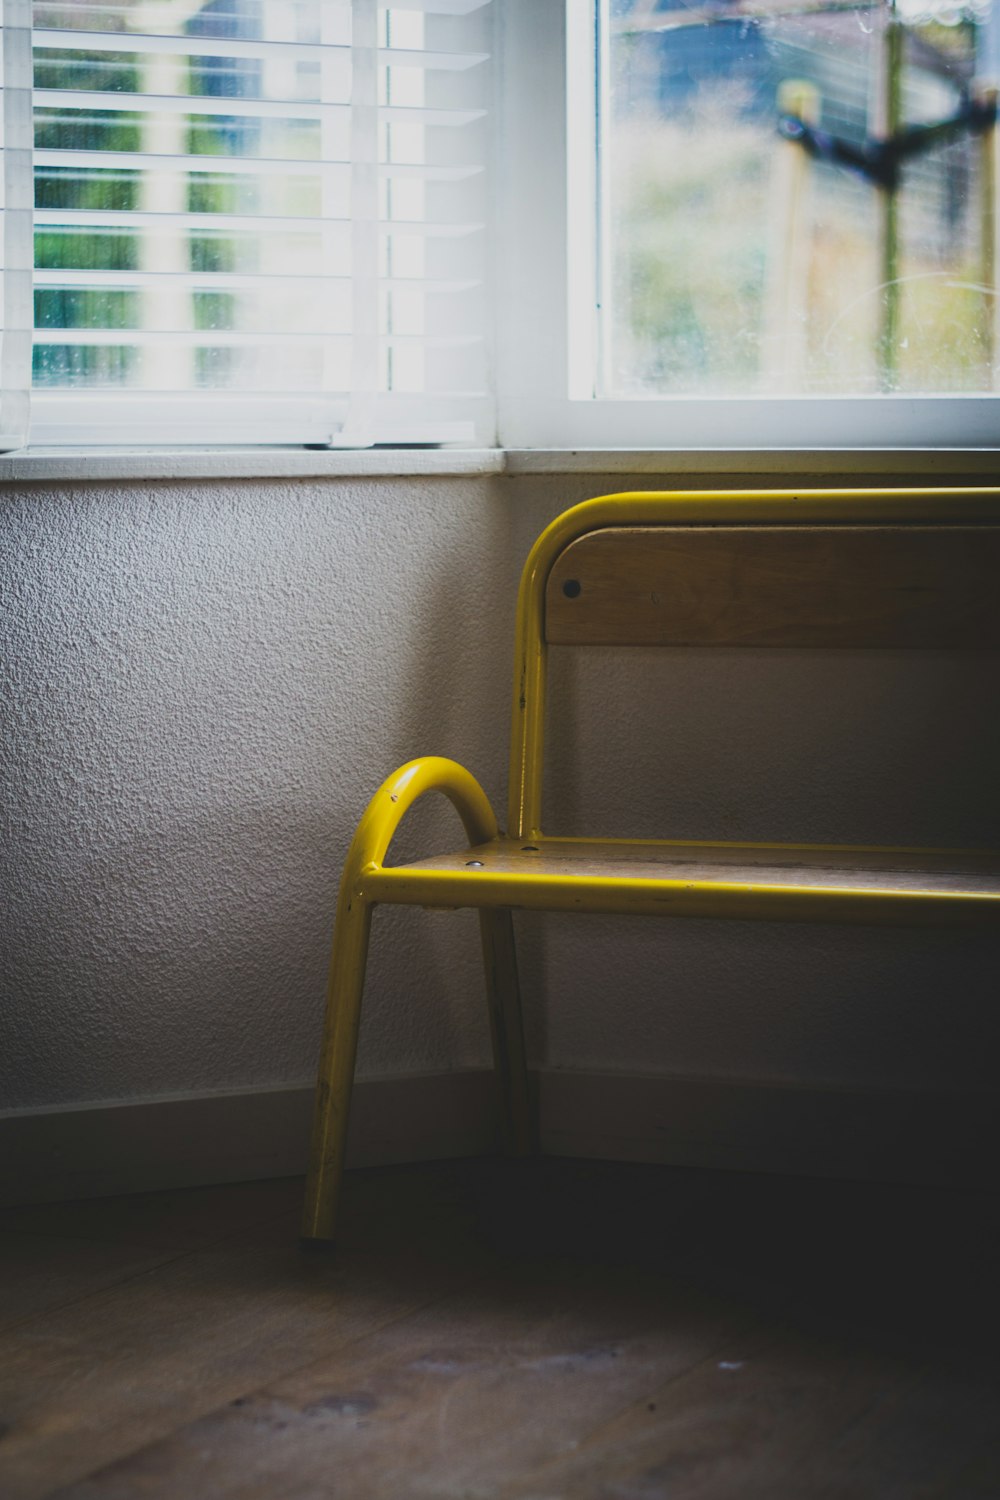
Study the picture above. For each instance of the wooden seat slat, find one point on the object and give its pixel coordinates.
(650, 862)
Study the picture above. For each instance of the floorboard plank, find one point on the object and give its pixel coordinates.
(37, 1277)
(755, 1423)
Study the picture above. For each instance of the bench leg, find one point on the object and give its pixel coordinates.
(336, 1069)
(503, 996)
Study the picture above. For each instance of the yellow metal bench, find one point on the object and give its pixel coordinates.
(879, 568)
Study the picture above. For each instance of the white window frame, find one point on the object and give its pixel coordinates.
(547, 337)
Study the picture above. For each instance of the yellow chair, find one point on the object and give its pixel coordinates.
(827, 568)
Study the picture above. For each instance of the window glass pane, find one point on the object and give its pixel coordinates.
(798, 197)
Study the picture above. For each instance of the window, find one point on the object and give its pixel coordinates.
(258, 220)
(775, 222)
(721, 223)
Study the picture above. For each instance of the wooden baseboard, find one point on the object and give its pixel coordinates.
(57, 1154)
(875, 1135)
(93, 1152)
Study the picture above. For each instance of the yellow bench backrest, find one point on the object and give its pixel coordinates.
(878, 568)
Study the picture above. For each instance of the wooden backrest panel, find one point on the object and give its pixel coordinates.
(888, 586)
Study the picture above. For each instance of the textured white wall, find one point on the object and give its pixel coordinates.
(204, 683)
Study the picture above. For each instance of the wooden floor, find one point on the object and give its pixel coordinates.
(501, 1330)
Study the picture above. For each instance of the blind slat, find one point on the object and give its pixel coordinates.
(84, 400)
(239, 165)
(127, 43)
(102, 101)
(229, 281)
(115, 101)
(226, 338)
(123, 43)
(94, 218)
(445, 7)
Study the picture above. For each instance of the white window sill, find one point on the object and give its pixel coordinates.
(792, 461)
(77, 464)
(244, 463)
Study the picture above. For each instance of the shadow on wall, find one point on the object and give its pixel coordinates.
(822, 746)
(206, 684)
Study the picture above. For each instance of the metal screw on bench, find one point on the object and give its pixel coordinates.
(475, 863)
(572, 588)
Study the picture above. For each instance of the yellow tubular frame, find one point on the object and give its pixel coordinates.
(352, 928)
(367, 881)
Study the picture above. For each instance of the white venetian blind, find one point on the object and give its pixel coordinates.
(15, 221)
(260, 221)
